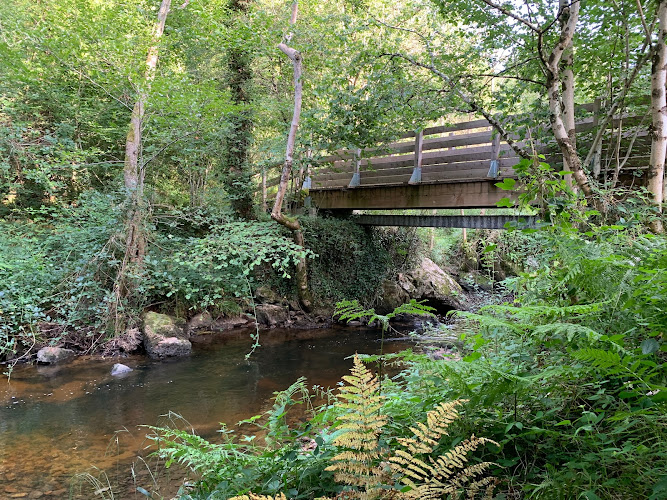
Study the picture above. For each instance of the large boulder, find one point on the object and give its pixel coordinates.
(392, 295)
(53, 355)
(164, 337)
(271, 315)
(428, 282)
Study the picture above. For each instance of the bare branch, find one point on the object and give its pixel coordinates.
(514, 16)
(640, 10)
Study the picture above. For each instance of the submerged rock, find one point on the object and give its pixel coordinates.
(120, 369)
(53, 355)
(164, 337)
(230, 323)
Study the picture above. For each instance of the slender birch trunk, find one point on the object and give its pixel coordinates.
(568, 95)
(658, 129)
(276, 213)
(133, 172)
(568, 16)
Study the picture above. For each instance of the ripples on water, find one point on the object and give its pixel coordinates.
(56, 421)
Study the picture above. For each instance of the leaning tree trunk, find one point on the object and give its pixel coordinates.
(658, 129)
(237, 170)
(276, 213)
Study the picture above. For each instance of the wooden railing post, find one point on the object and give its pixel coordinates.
(356, 176)
(597, 156)
(416, 177)
(494, 165)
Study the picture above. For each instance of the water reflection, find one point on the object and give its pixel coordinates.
(57, 421)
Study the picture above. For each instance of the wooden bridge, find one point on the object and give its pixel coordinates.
(458, 165)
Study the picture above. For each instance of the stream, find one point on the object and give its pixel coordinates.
(63, 420)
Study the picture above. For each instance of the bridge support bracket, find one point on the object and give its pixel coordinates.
(416, 176)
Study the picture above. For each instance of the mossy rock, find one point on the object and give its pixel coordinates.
(164, 336)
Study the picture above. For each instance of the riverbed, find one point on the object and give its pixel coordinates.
(59, 422)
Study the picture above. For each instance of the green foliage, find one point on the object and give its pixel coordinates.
(351, 310)
(200, 272)
(344, 250)
(349, 446)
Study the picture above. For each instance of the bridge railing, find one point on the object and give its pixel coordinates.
(470, 150)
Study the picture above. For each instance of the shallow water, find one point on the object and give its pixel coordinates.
(58, 421)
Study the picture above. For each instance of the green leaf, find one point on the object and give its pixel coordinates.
(506, 184)
(505, 202)
(649, 346)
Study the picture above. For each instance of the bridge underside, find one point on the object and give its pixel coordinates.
(461, 221)
(467, 194)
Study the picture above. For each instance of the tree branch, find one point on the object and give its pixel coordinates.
(469, 101)
(511, 14)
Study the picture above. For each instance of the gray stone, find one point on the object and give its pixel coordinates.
(164, 337)
(271, 315)
(53, 355)
(201, 321)
(120, 369)
(429, 282)
(392, 295)
(223, 324)
(267, 296)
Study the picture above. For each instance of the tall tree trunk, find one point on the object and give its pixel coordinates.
(658, 129)
(133, 172)
(237, 170)
(568, 96)
(276, 213)
(568, 17)
(133, 175)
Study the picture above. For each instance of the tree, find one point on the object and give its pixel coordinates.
(237, 172)
(658, 128)
(276, 213)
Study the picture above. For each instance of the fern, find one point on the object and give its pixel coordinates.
(359, 464)
(350, 310)
(252, 496)
(447, 474)
(360, 430)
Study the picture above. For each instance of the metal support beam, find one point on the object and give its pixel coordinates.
(463, 221)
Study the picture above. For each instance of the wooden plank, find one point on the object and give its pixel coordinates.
(433, 157)
(455, 127)
(473, 194)
(431, 172)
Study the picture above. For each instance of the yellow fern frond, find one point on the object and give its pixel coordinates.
(359, 431)
(252, 496)
(446, 474)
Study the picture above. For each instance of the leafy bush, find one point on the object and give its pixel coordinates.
(352, 261)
